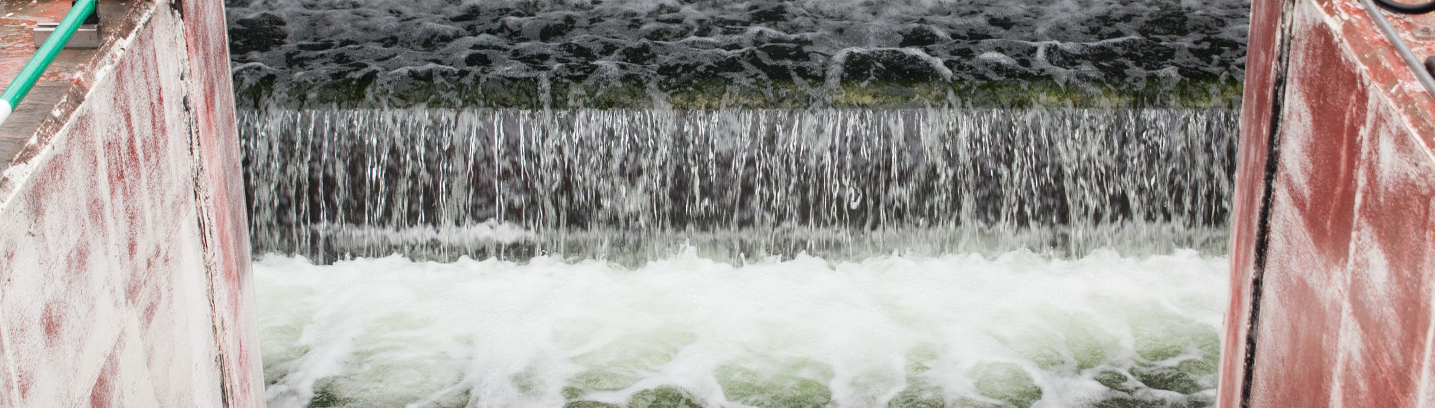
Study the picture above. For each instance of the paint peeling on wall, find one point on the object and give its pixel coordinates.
(124, 269)
(1334, 241)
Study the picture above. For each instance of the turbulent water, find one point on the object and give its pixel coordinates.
(631, 185)
(1017, 330)
(747, 203)
(754, 53)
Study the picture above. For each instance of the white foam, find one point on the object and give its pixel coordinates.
(390, 331)
(487, 232)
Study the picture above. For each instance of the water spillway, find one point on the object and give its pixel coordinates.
(737, 183)
(990, 257)
(751, 203)
(619, 203)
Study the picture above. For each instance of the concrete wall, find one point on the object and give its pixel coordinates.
(1333, 249)
(124, 274)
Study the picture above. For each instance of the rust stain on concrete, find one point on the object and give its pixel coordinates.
(125, 272)
(1333, 244)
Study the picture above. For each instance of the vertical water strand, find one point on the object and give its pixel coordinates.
(320, 167)
(498, 132)
(402, 178)
(738, 183)
(529, 131)
(549, 197)
(531, 156)
(421, 142)
(300, 209)
(373, 196)
(379, 180)
(885, 148)
(287, 202)
(1073, 161)
(461, 187)
(441, 172)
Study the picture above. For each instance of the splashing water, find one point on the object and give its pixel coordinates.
(634, 185)
(748, 203)
(1019, 330)
(763, 258)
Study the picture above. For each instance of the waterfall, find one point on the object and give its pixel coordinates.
(631, 185)
(755, 203)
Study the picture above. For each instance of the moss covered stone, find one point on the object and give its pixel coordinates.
(663, 397)
(1006, 382)
(796, 384)
(259, 90)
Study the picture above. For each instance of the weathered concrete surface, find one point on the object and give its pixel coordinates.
(1333, 249)
(124, 274)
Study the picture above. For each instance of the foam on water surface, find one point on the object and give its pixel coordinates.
(751, 203)
(1019, 329)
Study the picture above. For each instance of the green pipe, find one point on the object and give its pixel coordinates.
(43, 56)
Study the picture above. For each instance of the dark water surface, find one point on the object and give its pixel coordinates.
(749, 53)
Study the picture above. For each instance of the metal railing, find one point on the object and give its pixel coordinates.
(1404, 8)
(1416, 66)
(17, 89)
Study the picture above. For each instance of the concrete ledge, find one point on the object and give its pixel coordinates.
(124, 257)
(1333, 238)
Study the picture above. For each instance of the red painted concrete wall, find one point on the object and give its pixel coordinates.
(124, 257)
(1333, 249)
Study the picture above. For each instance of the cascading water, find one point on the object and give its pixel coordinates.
(633, 184)
(756, 203)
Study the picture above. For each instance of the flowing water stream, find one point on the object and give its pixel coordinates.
(630, 185)
(757, 203)
(773, 258)
(1017, 329)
